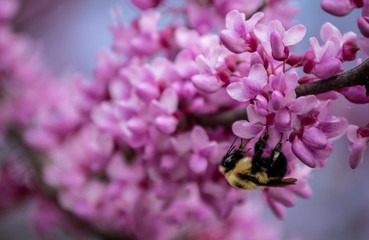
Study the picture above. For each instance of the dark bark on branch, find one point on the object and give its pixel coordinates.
(356, 76)
(224, 119)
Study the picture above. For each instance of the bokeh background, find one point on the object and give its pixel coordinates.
(71, 32)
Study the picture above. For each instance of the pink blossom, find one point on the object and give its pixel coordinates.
(145, 4)
(363, 22)
(355, 94)
(312, 144)
(239, 37)
(165, 108)
(203, 150)
(207, 81)
(279, 38)
(359, 137)
(347, 41)
(338, 8)
(322, 61)
(124, 150)
(250, 86)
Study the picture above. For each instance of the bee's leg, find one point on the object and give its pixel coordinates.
(276, 152)
(260, 164)
(278, 162)
(243, 144)
(260, 145)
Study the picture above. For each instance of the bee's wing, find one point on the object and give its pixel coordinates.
(282, 182)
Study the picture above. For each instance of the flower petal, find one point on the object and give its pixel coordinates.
(357, 150)
(198, 164)
(169, 100)
(235, 21)
(364, 44)
(283, 120)
(232, 41)
(206, 83)
(328, 30)
(250, 23)
(199, 137)
(235, 91)
(277, 208)
(363, 23)
(276, 25)
(327, 67)
(282, 195)
(314, 138)
(294, 35)
(276, 43)
(167, 124)
(245, 129)
(303, 153)
(253, 115)
(337, 8)
(258, 74)
(334, 128)
(352, 133)
(277, 100)
(261, 32)
(203, 64)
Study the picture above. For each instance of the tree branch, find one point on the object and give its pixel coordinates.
(225, 119)
(359, 75)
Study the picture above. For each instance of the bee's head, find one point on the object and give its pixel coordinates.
(230, 160)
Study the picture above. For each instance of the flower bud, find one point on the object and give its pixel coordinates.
(363, 23)
(337, 8)
(349, 49)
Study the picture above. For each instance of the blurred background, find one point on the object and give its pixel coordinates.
(71, 32)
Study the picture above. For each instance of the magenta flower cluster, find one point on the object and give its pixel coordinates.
(126, 151)
(344, 7)
(356, 94)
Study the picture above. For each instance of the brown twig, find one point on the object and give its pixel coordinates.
(224, 119)
(359, 75)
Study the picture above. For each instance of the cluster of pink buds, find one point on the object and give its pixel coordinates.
(135, 151)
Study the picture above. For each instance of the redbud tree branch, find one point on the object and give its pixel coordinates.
(359, 75)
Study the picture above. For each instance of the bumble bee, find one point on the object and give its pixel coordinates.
(256, 172)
